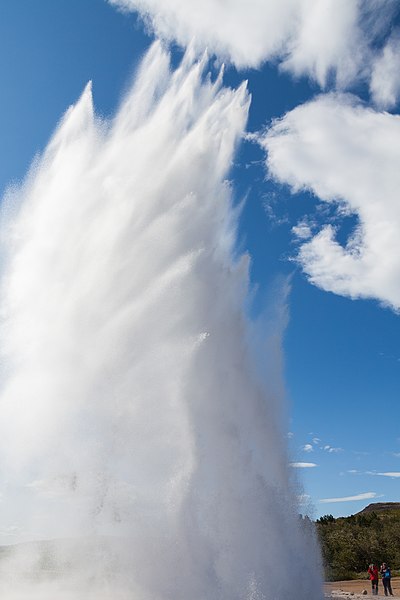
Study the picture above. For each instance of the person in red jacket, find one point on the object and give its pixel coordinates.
(374, 577)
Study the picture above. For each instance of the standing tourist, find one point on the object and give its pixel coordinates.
(386, 576)
(374, 577)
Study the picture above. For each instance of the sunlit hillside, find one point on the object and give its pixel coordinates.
(350, 544)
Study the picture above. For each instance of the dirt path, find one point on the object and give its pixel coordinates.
(343, 589)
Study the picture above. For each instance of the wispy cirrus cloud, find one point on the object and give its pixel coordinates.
(363, 496)
(302, 465)
(391, 474)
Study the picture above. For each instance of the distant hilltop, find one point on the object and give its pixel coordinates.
(380, 506)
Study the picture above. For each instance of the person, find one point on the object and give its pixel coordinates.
(374, 577)
(386, 576)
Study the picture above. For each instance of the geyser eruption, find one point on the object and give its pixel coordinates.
(135, 431)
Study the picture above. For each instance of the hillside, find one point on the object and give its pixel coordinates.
(380, 506)
(350, 544)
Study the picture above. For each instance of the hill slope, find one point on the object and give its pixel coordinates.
(350, 544)
(379, 506)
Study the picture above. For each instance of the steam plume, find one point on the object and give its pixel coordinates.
(133, 427)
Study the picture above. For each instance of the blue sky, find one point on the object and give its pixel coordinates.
(342, 359)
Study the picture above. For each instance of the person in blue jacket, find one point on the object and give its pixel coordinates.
(386, 576)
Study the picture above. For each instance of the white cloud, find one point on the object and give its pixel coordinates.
(313, 37)
(392, 474)
(332, 450)
(302, 465)
(316, 441)
(346, 154)
(302, 231)
(327, 36)
(308, 448)
(365, 496)
(385, 80)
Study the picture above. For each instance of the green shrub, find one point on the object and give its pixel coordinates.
(350, 544)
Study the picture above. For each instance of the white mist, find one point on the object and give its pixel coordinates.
(134, 430)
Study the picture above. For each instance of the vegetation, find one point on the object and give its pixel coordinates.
(350, 544)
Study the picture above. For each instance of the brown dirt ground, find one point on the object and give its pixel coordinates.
(357, 586)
